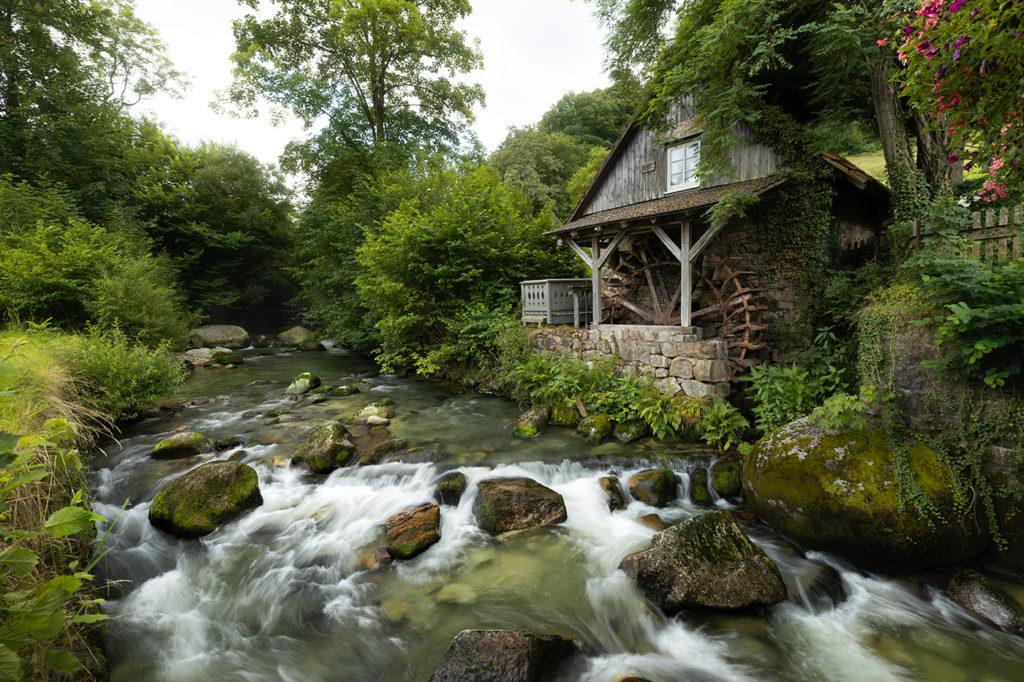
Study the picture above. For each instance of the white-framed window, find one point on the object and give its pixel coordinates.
(683, 160)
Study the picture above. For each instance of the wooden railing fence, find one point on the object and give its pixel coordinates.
(994, 236)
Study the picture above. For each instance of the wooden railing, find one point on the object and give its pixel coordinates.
(994, 236)
(556, 301)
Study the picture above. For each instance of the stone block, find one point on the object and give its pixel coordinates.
(711, 371)
(589, 355)
(660, 373)
(707, 350)
(721, 348)
(682, 368)
(696, 389)
(660, 361)
(669, 385)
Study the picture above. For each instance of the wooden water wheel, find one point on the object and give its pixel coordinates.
(737, 311)
(640, 282)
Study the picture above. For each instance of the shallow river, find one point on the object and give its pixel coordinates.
(279, 594)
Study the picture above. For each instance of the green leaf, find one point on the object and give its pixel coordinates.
(90, 618)
(8, 664)
(68, 521)
(18, 561)
(62, 661)
(36, 475)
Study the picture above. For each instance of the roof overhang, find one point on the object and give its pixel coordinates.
(684, 202)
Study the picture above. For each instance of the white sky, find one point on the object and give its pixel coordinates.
(534, 52)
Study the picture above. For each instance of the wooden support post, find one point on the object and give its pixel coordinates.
(685, 283)
(595, 279)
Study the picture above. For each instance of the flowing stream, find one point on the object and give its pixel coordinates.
(280, 593)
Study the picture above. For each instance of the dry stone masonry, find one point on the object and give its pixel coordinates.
(678, 358)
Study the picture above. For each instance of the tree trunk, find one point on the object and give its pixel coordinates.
(12, 139)
(933, 155)
(899, 159)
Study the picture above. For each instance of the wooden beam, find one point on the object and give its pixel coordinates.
(703, 241)
(667, 241)
(685, 274)
(610, 249)
(580, 252)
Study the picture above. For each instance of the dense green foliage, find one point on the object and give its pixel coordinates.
(722, 425)
(448, 259)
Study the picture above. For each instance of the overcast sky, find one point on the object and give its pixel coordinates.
(534, 52)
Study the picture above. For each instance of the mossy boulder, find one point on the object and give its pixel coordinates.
(226, 357)
(839, 491)
(706, 562)
(196, 503)
(311, 346)
(532, 422)
(377, 409)
(226, 442)
(595, 427)
(262, 341)
(504, 504)
(411, 532)
(975, 593)
(329, 448)
(656, 487)
(180, 445)
(226, 335)
(346, 389)
(699, 493)
(627, 432)
(563, 414)
(612, 490)
(294, 336)
(506, 656)
(726, 479)
(303, 383)
(449, 487)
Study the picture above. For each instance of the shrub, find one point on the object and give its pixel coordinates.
(781, 394)
(840, 411)
(722, 425)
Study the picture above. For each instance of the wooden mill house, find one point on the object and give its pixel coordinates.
(674, 297)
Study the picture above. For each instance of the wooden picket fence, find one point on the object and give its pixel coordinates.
(994, 236)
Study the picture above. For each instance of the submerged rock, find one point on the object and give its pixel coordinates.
(449, 487)
(227, 335)
(839, 492)
(705, 562)
(595, 427)
(303, 383)
(699, 493)
(971, 590)
(311, 345)
(294, 336)
(411, 532)
(652, 521)
(262, 341)
(345, 389)
(329, 448)
(418, 455)
(627, 432)
(504, 504)
(196, 503)
(612, 490)
(506, 656)
(656, 487)
(532, 422)
(376, 453)
(179, 446)
(726, 479)
(227, 442)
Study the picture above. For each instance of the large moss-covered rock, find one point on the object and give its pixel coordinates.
(294, 336)
(196, 503)
(839, 492)
(595, 427)
(705, 562)
(180, 445)
(327, 449)
(699, 492)
(304, 383)
(226, 357)
(532, 422)
(506, 656)
(504, 504)
(376, 453)
(627, 432)
(226, 335)
(971, 590)
(411, 532)
(656, 487)
(612, 490)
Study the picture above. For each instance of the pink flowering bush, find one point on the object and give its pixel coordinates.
(965, 62)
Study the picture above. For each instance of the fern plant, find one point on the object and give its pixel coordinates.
(722, 425)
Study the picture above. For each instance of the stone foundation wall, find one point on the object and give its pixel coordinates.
(678, 358)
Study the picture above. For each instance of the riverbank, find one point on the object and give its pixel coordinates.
(59, 393)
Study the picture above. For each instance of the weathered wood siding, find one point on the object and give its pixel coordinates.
(638, 171)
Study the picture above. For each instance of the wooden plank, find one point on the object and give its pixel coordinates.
(703, 242)
(595, 280)
(685, 274)
(976, 220)
(650, 283)
(667, 241)
(610, 249)
(1003, 249)
(580, 252)
(1017, 248)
